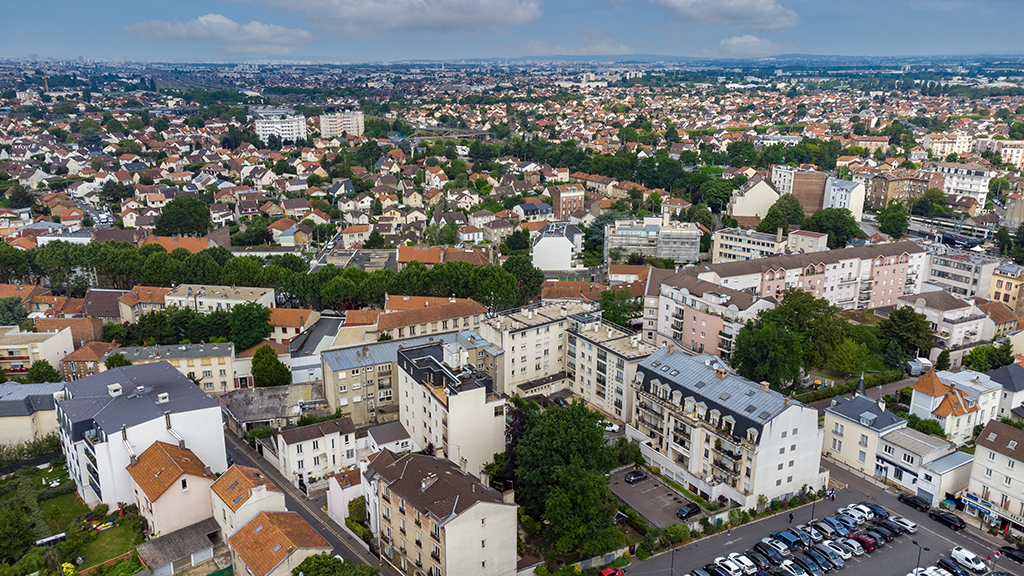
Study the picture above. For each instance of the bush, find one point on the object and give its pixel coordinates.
(12, 453)
(258, 433)
(358, 529)
(677, 533)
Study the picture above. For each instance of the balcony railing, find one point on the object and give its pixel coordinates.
(435, 536)
(435, 556)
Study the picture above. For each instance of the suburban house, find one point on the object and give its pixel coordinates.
(287, 323)
(853, 430)
(141, 300)
(28, 411)
(274, 544)
(240, 494)
(171, 487)
(1011, 399)
(86, 360)
(957, 400)
(307, 455)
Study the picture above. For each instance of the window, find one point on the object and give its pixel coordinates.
(207, 373)
(837, 429)
(780, 467)
(908, 458)
(483, 543)
(861, 457)
(1006, 480)
(298, 448)
(316, 444)
(863, 439)
(991, 455)
(988, 472)
(837, 445)
(888, 449)
(184, 484)
(301, 465)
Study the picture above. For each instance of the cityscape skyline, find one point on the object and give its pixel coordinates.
(359, 31)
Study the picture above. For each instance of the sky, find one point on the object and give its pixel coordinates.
(396, 30)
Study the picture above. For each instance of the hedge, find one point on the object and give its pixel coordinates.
(870, 381)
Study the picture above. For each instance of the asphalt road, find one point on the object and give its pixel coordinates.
(655, 500)
(897, 558)
(295, 501)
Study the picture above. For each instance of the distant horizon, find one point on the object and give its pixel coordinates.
(379, 31)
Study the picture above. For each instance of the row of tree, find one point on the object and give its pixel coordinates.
(245, 324)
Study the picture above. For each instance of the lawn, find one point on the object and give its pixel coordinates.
(108, 544)
(60, 512)
(861, 316)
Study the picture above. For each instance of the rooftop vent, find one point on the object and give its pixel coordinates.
(162, 398)
(114, 390)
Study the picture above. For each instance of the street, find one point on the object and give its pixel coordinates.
(897, 558)
(875, 393)
(344, 545)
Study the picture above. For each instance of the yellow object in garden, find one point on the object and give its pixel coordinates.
(68, 568)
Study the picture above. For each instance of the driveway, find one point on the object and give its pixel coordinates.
(652, 498)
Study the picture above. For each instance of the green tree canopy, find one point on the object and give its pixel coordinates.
(185, 216)
(327, 565)
(790, 206)
(249, 324)
(893, 220)
(838, 223)
(116, 360)
(41, 371)
(619, 306)
(268, 370)
(528, 278)
(772, 221)
(909, 330)
(12, 311)
(767, 353)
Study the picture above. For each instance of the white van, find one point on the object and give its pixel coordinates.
(968, 559)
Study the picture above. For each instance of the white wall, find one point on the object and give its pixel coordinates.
(463, 552)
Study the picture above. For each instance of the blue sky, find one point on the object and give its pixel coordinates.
(387, 30)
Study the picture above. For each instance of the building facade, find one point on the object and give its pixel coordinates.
(209, 365)
(994, 492)
(206, 299)
(730, 244)
(653, 236)
(601, 359)
(349, 123)
(288, 128)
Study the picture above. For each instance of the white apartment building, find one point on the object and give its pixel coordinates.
(288, 128)
(845, 194)
(206, 299)
(753, 199)
(334, 125)
(960, 272)
(963, 179)
(450, 406)
(958, 324)
(957, 400)
(730, 244)
(107, 420)
(719, 434)
(994, 492)
(903, 456)
(943, 144)
(307, 455)
(603, 358)
(653, 236)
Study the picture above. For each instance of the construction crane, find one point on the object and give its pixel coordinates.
(45, 78)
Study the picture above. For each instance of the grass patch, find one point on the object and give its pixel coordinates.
(967, 449)
(108, 544)
(861, 316)
(60, 512)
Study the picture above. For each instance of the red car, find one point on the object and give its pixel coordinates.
(869, 543)
(611, 571)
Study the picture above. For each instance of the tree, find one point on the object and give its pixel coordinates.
(19, 197)
(619, 306)
(528, 278)
(374, 240)
(327, 565)
(376, 207)
(117, 360)
(943, 362)
(41, 371)
(16, 534)
(893, 220)
(790, 206)
(249, 324)
(268, 370)
(849, 357)
(12, 311)
(909, 330)
(1004, 241)
(518, 240)
(579, 511)
(838, 223)
(932, 203)
(816, 322)
(894, 357)
(772, 221)
(185, 216)
(495, 288)
(767, 353)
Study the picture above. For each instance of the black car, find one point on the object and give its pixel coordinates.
(947, 518)
(688, 511)
(771, 553)
(714, 570)
(878, 511)
(886, 533)
(760, 560)
(950, 565)
(1015, 554)
(699, 572)
(879, 538)
(634, 476)
(820, 559)
(915, 501)
(808, 564)
(891, 526)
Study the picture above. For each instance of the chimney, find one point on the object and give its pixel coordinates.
(162, 398)
(671, 349)
(721, 373)
(609, 331)
(765, 387)
(565, 310)
(427, 481)
(785, 402)
(114, 390)
(508, 496)
(207, 471)
(881, 404)
(778, 234)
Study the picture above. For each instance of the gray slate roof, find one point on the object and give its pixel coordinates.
(179, 544)
(1011, 377)
(950, 461)
(387, 433)
(27, 399)
(138, 353)
(854, 408)
(371, 353)
(450, 493)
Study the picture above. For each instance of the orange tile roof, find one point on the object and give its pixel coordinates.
(270, 537)
(23, 242)
(278, 347)
(160, 466)
(362, 317)
(170, 243)
(235, 486)
(356, 228)
(954, 403)
(422, 254)
(90, 352)
(396, 302)
(145, 294)
(293, 317)
(429, 314)
(931, 385)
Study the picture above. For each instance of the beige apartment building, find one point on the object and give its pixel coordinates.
(206, 299)
(18, 350)
(730, 244)
(601, 360)
(141, 300)
(211, 365)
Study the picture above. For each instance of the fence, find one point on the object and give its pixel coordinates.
(107, 564)
(599, 561)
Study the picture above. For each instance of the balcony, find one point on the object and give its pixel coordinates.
(725, 345)
(728, 453)
(725, 335)
(93, 437)
(435, 556)
(728, 467)
(677, 326)
(385, 538)
(679, 314)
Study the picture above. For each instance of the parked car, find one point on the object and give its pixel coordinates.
(610, 427)
(968, 559)
(947, 518)
(907, 525)
(867, 542)
(729, 566)
(842, 551)
(936, 571)
(634, 476)
(895, 527)
(878, 511)
(867, 512)
(854, 513)
(855, 548)
(1015, 554)
(790, 540)
(824, 530)
(915, 501)
(698, 572)
(950, 565)
(838, 526)
(743, 562)
(815, 534)
(790, 568)
(880, 538)
(715, 570)
(804, 537)
(611, 571)
(775, 551)
(808, 564)
(688, 511)
(760, 560)
(830, 555)
(887, 534)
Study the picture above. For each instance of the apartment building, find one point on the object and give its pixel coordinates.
(994, 493)
(107, 420)
(307, 455)
(240, 494)
(961, 272)
(274, 544)
(453, 316)
(963, 179)
(602, 359)
(884, 188)
(752, 200)
(1011, 401)
(845, 194)
(807, 185)
(853, 429)
(28, 411)
(557, 247)
(700, 316)
(206, 299)
(171, 487)
(959, 325)
(1013, 216)
(450, 406)
(957, 400)
(86, 360)
(942, 144)
(903, 456)
(350, 123)
(653, 236)
(287, 323)
(730, 244)
(430, 516)
(141, 300)
(18, 350)
(807, 241)
(851, 278)
(566, 199)
(1007, 286)
(288, 128)
(721, 435)
(210, 365)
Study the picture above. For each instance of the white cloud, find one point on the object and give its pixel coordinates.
(595, 43)
(739, 14)
(748, 46)
(371, 17)
(230, 37)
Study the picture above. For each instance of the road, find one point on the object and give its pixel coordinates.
(895, 559)
(344, 545)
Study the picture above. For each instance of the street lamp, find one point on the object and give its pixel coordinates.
(672, 570)
(919, 550)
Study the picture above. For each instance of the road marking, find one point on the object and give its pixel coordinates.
(836, 484)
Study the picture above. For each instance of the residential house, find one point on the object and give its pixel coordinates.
(903, 456)
(1011, 399)
(273, 406)
(307, 455)
(958, 324)
(752, 200)
(141, 300)
(957, 400)
(602, 360)
(86, 360)
(288, 323)
(274, 544)
(853, 429)
(1007, 286)
(557, 247)
(240, 494)
(171, 487)
(28, 412)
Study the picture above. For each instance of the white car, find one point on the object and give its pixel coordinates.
(906, 524)
(729, 566)
(867, 512)
(852, 544)
(936, 571)
(744, 562)
(610, 427)
(779, 547)
(790, 568)
(840, 550)
(854, 513)
(918, 572)
(968, 559)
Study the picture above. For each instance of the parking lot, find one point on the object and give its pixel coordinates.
(897, 558)
(652, 498)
